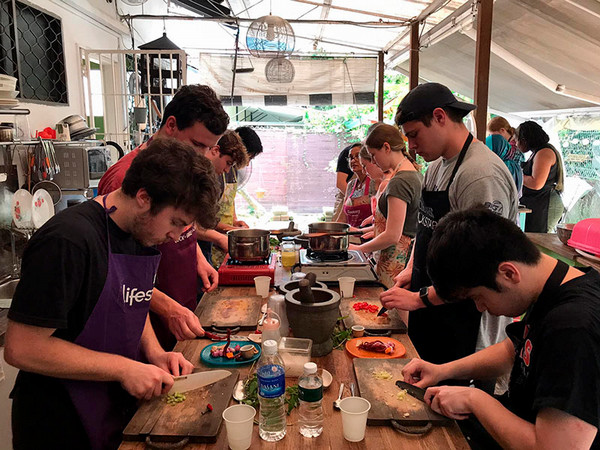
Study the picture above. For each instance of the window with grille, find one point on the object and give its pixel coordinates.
(31, 49)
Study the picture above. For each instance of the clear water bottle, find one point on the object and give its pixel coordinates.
(310, 387)
(271, 393)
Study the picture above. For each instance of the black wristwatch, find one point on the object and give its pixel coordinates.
(423, 295)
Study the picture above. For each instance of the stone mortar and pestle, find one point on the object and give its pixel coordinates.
(312, 313)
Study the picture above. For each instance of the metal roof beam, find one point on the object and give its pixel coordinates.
(359, 11)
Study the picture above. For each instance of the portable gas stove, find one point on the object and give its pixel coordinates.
(330, 267)
(243, 272)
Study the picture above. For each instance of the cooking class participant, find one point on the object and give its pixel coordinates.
(463, 173)
(78, 325)
(227, 215)
(343, 173)
(194, 116)
(380, 180)
(500, 136)
(553, 399)
(543, 178)
(397, 203)
(359, 190)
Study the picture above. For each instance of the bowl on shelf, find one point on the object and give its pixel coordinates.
(563, 231)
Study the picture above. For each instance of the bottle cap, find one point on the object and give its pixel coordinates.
(270, 347)
(310, 367)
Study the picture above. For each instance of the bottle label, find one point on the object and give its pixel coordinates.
(310, 395)
(271, 381)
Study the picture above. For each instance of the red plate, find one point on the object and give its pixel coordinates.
(352, 347)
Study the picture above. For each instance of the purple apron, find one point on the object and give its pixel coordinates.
(177, 277)
(115, 326)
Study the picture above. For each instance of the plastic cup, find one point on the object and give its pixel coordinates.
(346, 286)
(238, 423)
(354, 417)
(262, 285)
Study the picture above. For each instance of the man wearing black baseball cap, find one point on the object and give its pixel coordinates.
(463, 173)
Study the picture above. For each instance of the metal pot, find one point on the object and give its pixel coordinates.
(248, 245)
(328, 244)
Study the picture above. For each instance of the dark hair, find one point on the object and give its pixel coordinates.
(231, 145)
(197, 103)
(532, 135)
(468, 246)
(173, 174)
(454, 114)
(251, 141)
(388, 133)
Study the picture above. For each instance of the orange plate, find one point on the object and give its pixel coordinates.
(352, 347)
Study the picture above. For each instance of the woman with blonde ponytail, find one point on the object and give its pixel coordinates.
(397, 203)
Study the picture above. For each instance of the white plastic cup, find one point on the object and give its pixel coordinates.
(346, 286)
(354, 417)
(238, 423)
(262, 285)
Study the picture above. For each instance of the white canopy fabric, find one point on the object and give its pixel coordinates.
(316, 81)
(553, 38)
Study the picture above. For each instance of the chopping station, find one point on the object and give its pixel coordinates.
(341, 365)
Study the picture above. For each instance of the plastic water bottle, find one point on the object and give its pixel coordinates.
(271, 393)
(310, 387)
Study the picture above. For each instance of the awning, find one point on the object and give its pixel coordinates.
(553, 40)
(319, 81)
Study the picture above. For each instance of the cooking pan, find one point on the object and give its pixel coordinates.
(334, 240)
(248, 244)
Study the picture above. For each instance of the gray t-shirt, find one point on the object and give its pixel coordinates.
(481, 179)
(405, 185)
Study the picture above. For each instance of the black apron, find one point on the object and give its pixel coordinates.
(539, 200)
(446, 332)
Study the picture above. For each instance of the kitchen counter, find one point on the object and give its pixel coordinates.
(339, 363)
(549, 244)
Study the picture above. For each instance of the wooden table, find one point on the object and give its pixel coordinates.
(339, 364)
(549, 244)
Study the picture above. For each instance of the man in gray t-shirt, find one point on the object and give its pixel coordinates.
(463, 173)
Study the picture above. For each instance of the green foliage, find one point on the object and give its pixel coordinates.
(340, 335)
(292, 398)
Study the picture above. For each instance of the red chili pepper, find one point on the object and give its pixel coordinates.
(209, 407)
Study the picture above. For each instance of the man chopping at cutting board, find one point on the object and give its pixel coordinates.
(195, 116)
(463, 173)
(553, 400)
(78, 324)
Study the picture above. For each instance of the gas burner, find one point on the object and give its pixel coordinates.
(328, 257)
(260, 262)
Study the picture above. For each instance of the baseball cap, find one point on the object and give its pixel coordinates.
(424, 99)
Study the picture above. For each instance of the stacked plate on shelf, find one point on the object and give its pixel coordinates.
(7, 92)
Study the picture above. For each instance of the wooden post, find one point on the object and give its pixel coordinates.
(380, 67)
(482, 64)
(413, 75)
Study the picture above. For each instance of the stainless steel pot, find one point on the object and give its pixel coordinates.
(328, 244)
(248, 245)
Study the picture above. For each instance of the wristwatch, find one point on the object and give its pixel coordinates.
(423, 295)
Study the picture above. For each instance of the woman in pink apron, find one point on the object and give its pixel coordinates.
(395, 216)
(357, 204)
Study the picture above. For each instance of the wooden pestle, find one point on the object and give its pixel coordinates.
(305, 293)
(312, 278)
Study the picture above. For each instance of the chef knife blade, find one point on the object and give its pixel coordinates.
(381, 311)
(416, 392)
(197, 380)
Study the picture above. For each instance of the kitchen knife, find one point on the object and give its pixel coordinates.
(416, 392)
(381, 311)
(197, 380)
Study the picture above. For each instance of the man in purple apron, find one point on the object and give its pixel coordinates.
(78, 325)
(195, 116)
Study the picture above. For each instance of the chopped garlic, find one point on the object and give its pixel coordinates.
(406, 415)
(402, 394)
(382, 375)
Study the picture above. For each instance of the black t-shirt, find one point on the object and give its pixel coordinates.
(342, 163)
(557, 353)
(62, 275)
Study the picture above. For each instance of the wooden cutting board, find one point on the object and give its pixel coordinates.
(368, 319)
(217, 311)
(385, 405)
(171, 423)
